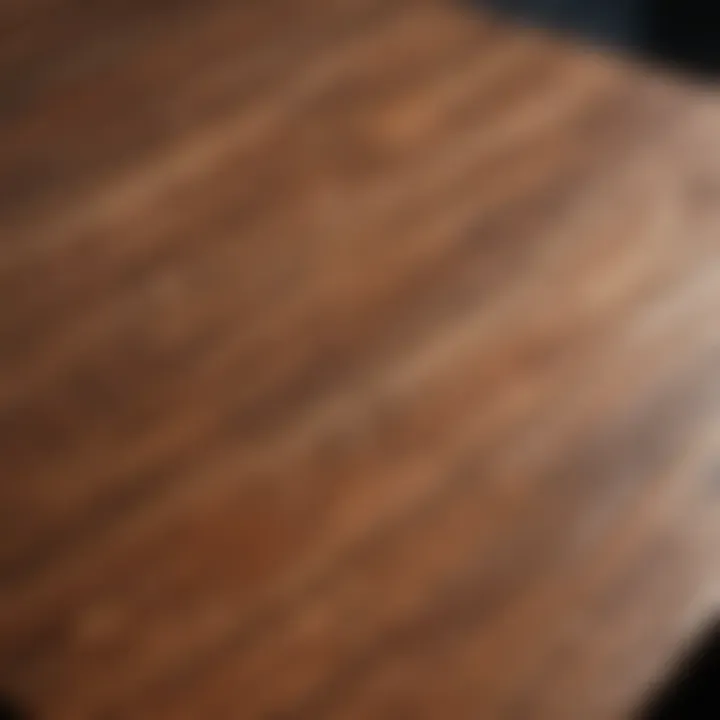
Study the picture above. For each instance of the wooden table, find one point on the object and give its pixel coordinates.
(358, 359)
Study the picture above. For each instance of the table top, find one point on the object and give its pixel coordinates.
(358, 359)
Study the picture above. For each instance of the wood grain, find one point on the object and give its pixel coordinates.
(358, 359)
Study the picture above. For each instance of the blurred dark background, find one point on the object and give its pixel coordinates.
(685, 33)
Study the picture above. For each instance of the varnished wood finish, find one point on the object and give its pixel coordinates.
(358, 359)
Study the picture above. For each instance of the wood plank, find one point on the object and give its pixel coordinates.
(357, 360)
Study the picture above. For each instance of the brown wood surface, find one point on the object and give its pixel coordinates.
(359, 359)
